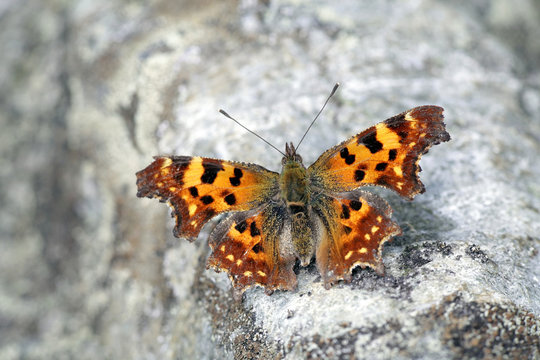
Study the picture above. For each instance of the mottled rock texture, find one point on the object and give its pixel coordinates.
(90, 90)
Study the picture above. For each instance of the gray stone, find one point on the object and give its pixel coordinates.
(92, 89)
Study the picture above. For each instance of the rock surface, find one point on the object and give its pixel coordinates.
(92, 89)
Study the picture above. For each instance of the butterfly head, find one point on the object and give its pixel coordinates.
(290, 155)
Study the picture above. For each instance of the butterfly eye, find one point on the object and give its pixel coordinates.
(297, 158)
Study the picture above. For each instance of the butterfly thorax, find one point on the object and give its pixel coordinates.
(295, 193)
(293, 183)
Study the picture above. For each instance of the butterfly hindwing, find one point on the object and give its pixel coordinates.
(386, 154)
(197, 189)
(249, 246)
(355, 227)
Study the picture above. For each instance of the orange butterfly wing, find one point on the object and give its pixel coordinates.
(249, 247)
(357, 224)
(386, 154)
(197, 189)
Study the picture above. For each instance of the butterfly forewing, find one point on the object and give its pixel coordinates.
(197, 189)
(386, 154)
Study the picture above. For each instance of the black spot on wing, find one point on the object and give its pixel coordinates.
(347, 229)
(207, 199)
(392, 154)
(230, 199)
(257, 248)
(193, 191)
(235, 181)
(241, 226)
(349, 158)
(370, 141)
(381, 166)
(345, 213)
(211, 170)
(359, 175)
(254, 231)
(356, 205)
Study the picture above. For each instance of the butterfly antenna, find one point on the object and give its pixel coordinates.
(320, 111)
(254, 133)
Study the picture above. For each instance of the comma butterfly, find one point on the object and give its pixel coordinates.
(276, 218)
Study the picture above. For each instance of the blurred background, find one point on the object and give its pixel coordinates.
(91, 90)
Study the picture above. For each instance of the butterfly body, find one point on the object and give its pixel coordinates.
(296, 194)
(276, 219)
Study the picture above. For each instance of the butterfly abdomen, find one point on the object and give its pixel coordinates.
(302, 234)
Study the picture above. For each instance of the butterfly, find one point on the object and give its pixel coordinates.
(276, 219)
